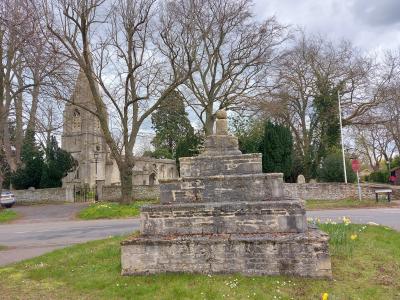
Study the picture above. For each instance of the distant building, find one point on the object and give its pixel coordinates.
(83, 138)
(395, 175)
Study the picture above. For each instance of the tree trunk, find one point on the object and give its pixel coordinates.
(1, 181)
(19, 134)
(126, 184)
(34, 107)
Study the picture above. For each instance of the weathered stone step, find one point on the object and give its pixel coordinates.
(301, 254)
(223, 217)
(250, 187)
(221, 165)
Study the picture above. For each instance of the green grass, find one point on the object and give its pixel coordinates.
(7, 215)
(346, 203)
(110, 210)
(365, 268)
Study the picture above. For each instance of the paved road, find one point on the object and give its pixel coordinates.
(48, 212)
(54, 227)
(48, 227)
(384, 216)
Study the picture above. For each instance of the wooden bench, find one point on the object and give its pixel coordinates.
(388, 192)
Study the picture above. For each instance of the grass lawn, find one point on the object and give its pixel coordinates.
(111, 210)
(7, 215)
(347, 203)
(367, 267)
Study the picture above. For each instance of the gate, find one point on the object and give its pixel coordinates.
(84, 194)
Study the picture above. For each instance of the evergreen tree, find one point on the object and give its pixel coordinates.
(277, 149)
(327, 134)
(188, 146)
(171, 125)
(250, 134)
(331, 169)
(57, 164)
(30, 171)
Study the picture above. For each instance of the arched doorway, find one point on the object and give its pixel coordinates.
(152, 179)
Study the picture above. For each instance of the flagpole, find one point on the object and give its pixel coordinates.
(341, 137)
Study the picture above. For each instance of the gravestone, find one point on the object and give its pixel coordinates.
(225, 216)
(301, 179)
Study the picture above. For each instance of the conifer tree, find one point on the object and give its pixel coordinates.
(171, 125)
(29, 172)
(277, 149)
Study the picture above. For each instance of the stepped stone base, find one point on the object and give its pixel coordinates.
(232, 164)
(223, 217)
(215, 145)
(219, 188)
(297, 254)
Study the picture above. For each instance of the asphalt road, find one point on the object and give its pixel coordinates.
(47, 227)
(383, 216)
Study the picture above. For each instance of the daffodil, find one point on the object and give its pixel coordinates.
(353, 236)
(346, 221)
(325, 296)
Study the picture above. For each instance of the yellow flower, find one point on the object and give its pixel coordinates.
(353, 236)
(346, 221)
(325, 296)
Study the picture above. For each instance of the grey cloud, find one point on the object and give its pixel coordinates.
(377, 12)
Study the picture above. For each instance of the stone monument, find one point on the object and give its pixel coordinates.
(225, 216)
(301, 179)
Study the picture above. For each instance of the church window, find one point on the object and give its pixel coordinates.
(76, 121)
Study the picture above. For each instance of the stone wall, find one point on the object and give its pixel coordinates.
(140, 192)
(334, 191)
(305, 191)
(57, 195)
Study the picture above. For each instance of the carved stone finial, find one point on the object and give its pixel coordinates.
(221, 114)
(221, 127)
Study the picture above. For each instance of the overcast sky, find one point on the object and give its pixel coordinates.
(372, 25)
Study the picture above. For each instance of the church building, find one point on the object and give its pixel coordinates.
(83, 138)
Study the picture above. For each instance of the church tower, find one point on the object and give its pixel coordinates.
(83, 137)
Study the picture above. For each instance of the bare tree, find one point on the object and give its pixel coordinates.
(15, 34)
(392, 115)
(125, 62)
(314, 68)
(373, 144)
(389, 111)
(232, 52)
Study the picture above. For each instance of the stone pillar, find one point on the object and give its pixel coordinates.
(69, 193)
(221, 123)
(99, 189)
